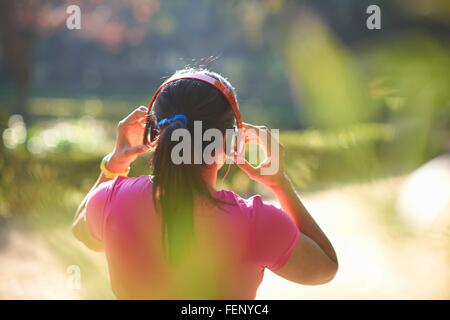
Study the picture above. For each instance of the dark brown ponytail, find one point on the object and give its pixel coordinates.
(177, 185)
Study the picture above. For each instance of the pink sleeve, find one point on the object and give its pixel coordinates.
(95, 209)
(274, 235)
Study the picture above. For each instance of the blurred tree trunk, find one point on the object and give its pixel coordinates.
(17, 29)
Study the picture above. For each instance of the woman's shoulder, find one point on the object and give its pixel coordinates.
(246, 205)
(139, 181)
(121, 186)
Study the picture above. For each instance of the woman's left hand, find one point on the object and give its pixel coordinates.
(262, 136)
(130, 133)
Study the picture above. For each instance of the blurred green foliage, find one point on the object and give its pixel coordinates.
(352, 104)
(53, 181)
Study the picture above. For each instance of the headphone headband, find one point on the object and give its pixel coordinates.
(223, 89)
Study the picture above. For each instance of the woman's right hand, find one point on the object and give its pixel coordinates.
(261, 135)
(129, 146)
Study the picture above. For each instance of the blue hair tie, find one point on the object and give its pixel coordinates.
(176, 117)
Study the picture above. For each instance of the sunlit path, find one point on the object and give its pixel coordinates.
(374, 263)
(375, 260)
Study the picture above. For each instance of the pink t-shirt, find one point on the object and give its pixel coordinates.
(234, 242)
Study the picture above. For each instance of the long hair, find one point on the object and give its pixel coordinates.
(177, 185)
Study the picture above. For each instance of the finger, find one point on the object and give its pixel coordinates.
(143, 121)
(247, 125)
(136, 115)
(254, 131)
(258, 135)
(139, 149)
(245, 166)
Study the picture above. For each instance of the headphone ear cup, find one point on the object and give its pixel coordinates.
(235, 139)
(239, 141)
(230, 143)
(153, 128)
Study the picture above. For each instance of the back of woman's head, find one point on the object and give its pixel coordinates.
(176, 184)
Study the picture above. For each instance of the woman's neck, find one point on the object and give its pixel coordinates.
(210, 177)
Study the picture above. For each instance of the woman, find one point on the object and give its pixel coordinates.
(173, 235)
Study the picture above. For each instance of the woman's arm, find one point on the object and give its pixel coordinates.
(293, 206)
(128, 146)
(313, 260)
(79, 226)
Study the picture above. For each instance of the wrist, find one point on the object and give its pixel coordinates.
(281, 184)
(117, 163)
